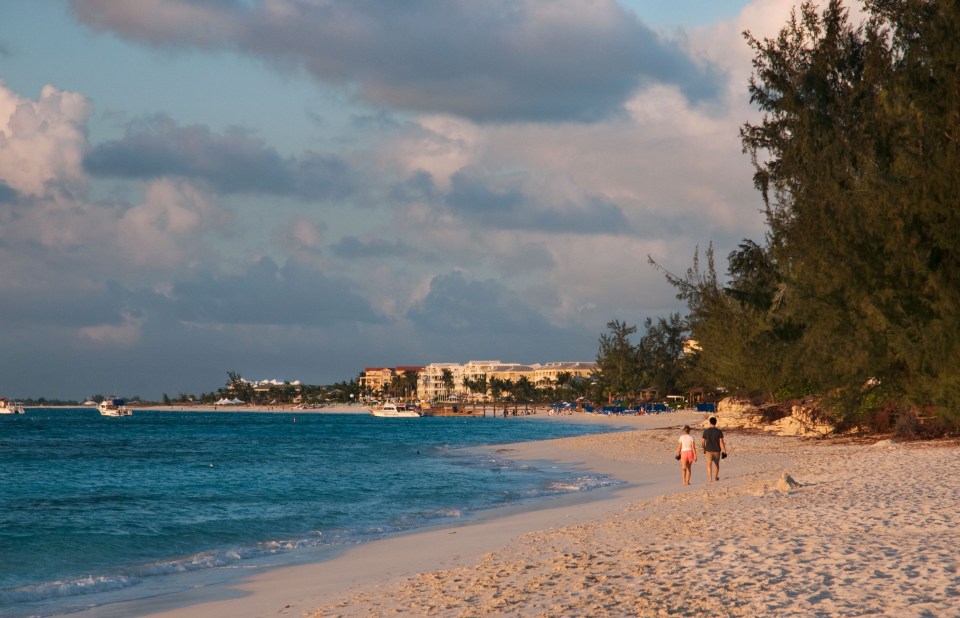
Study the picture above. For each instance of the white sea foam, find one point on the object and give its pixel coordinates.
(583, 483)
(60, 589)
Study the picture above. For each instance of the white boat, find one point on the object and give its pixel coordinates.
(10, 407)
(114, 407)
(392, 410)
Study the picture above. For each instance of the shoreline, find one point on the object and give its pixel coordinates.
(403, 553)
(333, 409)
(285, 409)
(795, 527)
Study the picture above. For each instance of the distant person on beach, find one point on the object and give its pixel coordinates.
(714, 449)
(686, 453)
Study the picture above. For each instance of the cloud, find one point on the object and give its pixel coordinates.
(301, 234)
(462, 317)
(42, 142)
(498, 60)
(203, 23)
(169, 230)
(8, 194)
(528, 198)
(448, 235)
(267, 294)
(126, 334)
(351, 247)
(504, 203)
(458, 305)
(232, 162)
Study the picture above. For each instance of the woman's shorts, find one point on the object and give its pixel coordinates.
(686, 455)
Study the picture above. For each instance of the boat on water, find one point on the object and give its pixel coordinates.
(392, 410)
(8, 406)
(114, 407)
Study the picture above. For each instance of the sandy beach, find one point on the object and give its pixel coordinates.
(857, 527)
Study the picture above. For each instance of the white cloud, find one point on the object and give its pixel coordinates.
(438, 145)
(167, 230)
(42, 142)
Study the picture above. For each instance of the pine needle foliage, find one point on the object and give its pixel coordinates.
(857, 284)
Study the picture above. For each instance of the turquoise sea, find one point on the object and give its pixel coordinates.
(97, 510)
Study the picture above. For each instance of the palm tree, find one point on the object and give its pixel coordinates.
(390, 388)
(240, 388)
(497, 386)
(477, 385)
(564, 381)
(408, 383)
(523, 389)
(447, 377)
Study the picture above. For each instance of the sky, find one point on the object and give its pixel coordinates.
(298, 189)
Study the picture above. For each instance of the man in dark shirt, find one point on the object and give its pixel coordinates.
(713, 446)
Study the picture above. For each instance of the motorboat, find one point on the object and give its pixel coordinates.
(8, 406)
(114, 407)
(393, 410)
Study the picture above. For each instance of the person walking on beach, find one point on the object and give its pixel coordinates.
(687, 454)
(714, 449)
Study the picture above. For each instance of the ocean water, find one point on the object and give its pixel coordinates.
(96, 510)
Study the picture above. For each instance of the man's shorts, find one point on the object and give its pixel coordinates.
(713, 457)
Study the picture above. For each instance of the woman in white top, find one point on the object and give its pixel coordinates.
(686, 453)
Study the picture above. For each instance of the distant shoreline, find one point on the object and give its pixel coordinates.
(334, 409)
(542, 412)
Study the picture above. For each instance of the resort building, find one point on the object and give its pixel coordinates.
(548, 374)
(511, 372)
(451, 381)
(265, 387)
(441, 382)
(376, 381)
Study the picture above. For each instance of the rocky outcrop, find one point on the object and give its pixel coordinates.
(801, 418)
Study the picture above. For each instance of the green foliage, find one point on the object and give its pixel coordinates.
(618, 371)
(523, 390)
(857, 159)
(239, 388)
(624, 369)
(498, 386)
(739, 330)
(660, 353)
(476, 385)
(403, 385)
